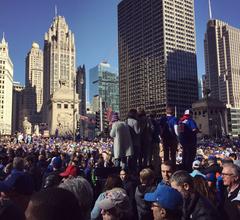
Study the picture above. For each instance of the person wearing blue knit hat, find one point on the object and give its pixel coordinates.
(166, 203)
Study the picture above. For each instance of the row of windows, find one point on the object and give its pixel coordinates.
(211, 112)
(65, 106)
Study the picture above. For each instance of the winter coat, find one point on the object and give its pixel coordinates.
(156, 131)
(198, 207)
(135, 131)
(143, 207)
(146, 131)
(130, 186)
(232, 204)
(122, 144)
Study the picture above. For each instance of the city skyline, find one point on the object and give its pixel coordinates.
(94, 24)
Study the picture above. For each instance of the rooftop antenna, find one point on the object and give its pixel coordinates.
(55, 10)
(210, 9)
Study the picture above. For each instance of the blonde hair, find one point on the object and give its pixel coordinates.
(147, 176)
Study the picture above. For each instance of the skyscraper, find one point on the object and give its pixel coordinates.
(157, 55)
(59, 96)
(222, 62)
(103, 81)
(33, 92)
(222, 43)
(34, 73)
(59, 58)
(6, 89)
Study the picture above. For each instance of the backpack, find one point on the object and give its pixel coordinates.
(184, 131)
(166, 132)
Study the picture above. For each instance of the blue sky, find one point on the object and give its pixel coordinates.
(94, 23)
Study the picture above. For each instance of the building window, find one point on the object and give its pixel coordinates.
(65, 106)
(58, 106)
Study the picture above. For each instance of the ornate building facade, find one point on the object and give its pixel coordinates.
(62, 112)
(59, 68)
(6, 89)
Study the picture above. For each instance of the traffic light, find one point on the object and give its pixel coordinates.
(106, 121)
(78, 125)
(97, 119)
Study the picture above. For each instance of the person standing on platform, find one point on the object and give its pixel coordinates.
(122, 143)
(168, 133)
(188, 139)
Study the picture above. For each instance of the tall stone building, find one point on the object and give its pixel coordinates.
(222, 62)
(211, 117)
(62, 111)
(6, 89)
(17, 104)
(157, 55)
(33, 92)
(59, 71)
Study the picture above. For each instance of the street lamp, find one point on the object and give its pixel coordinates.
(74, 109)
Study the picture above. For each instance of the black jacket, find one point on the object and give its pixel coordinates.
(232, 204)
(198, 207)
(143, 207)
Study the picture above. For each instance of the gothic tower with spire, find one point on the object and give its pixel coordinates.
(59, 70)
(59, 57)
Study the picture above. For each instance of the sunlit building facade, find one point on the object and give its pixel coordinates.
(157, 55)
(6, 89)
(59, 72)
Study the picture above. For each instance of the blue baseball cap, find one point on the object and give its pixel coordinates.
(166, 197)
(57, 162)
(19, 182)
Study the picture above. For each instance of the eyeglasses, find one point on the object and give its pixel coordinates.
(227, 174)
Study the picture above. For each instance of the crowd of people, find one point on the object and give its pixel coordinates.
(148, 168)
